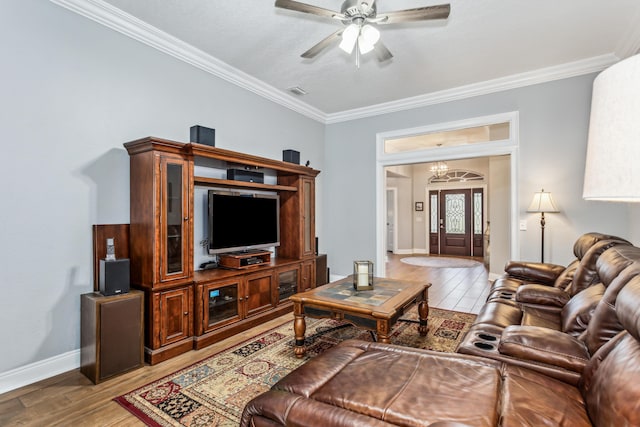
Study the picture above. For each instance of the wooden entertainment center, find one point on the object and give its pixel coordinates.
(187, 309)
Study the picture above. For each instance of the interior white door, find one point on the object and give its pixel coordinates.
(391, 215)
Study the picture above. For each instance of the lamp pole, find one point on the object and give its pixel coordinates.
(542, 202)
(542, 222)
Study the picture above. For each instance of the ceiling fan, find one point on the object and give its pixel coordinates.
(360, 18)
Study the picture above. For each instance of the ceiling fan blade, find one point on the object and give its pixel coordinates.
(323, 44)
(307, 8)
(418, 14)
(382, 53)
(369, 3)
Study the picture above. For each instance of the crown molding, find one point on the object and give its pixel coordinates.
(515, 81)
(115, 19)
(630, 44)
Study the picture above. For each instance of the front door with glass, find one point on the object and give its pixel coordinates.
(455, 222)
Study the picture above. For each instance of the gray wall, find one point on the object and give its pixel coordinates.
(71, 92)
(553, 133)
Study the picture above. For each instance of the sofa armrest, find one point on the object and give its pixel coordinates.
(538, 272)
(544, 345)
(542, 295)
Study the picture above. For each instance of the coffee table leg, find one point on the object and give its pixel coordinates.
(383, 332)
(299, 328)
(423, 314)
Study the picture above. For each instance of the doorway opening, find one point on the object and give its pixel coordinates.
(492, 198)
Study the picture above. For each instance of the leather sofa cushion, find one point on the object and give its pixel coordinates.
(611, 380)
(506, 284)
(533, 399)
(499, 314)
(541, 317)
(587, 273)
(542, 295)
(545, 346)
(534, 271)
(604, 323)
(396, 378)
(577, 313)
(563, 281)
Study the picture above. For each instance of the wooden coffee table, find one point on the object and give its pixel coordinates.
(375, 310)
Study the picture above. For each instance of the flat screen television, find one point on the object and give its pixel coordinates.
(242, 222)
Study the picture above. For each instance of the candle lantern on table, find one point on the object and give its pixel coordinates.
(362, 275)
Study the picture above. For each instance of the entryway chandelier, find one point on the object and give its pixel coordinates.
(439, 169)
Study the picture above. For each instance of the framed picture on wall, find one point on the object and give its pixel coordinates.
(419, 206)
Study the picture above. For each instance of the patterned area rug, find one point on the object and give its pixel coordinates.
(440, 262)
(214, 391)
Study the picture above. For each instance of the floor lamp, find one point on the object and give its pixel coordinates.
(542, 202)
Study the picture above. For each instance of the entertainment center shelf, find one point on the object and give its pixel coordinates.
(187, 309)
(226, 183)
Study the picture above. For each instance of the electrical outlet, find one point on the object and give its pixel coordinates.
(523, 225)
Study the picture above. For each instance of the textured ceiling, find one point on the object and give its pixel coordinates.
(480, 42)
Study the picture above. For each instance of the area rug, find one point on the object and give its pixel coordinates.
(440, 262)
(214, 391)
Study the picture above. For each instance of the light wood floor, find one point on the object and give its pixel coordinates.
(459, 289)
(70, 399)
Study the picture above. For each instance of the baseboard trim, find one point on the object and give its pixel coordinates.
(403, 252)
(335, 277)
(38, 371)
(494, 276)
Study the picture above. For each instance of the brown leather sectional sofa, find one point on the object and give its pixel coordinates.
(577, 364)
(548, 334)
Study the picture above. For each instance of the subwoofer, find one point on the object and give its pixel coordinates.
(111, 334)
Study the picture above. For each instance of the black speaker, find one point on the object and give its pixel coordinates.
(291, 156)
(114, 277)
(245, 175)
(203, 135)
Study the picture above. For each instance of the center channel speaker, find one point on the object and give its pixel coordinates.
(245, 175)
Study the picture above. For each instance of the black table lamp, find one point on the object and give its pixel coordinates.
(542, 202)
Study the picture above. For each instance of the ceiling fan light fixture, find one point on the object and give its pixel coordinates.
(364, 46)
(356, 15)
(349, 38)
(369, 36)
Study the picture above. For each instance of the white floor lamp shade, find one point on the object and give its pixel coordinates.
(612, 172)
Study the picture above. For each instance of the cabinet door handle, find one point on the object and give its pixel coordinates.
(186, 218)
(186, 313)
(240, 299)
(246, 297)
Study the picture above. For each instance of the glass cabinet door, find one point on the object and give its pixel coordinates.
(308, 231)
(287, 283)
(221, 304)
(173, 218)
